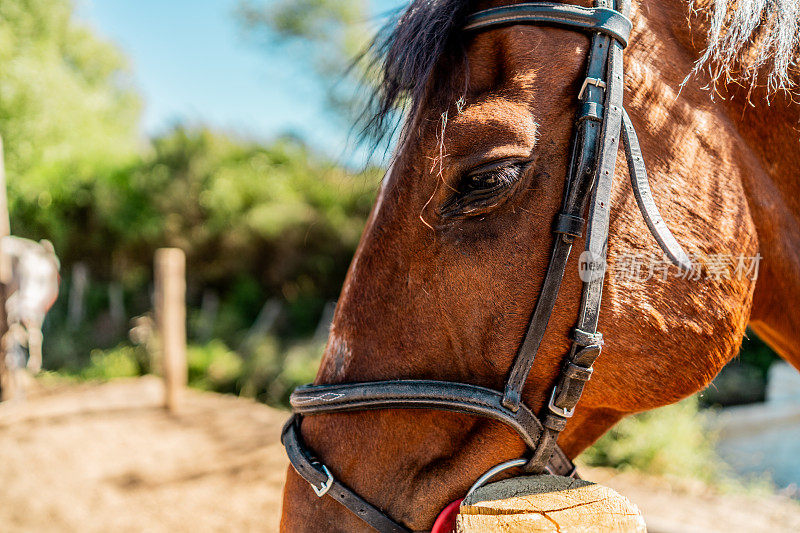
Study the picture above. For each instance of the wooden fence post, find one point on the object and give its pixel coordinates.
(7, 381)
(170, 308)
(547, 504)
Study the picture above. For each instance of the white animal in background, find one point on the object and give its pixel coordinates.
(30, 292)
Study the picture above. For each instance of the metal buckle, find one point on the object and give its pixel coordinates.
(556, 410)
(597, 82)
(323, 490)
(571, 473)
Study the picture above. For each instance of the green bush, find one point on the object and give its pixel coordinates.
(299, 367)
(271, 373)
(263, 364)
(213, 366)
(119, 362)
(671, 440)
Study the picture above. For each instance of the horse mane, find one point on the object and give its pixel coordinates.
(752, 41)
(748, 40)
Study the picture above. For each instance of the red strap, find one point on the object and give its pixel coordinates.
(446, 521)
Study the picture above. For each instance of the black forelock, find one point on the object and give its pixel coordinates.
(403, 56)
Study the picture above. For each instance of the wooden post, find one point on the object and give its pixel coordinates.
(5, 220)
(547, 503)
(7, 381)
(170, 304)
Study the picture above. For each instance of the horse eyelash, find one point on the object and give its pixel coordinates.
(467, 200)
(506, 174)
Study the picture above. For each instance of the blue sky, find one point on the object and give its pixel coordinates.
(192, 64)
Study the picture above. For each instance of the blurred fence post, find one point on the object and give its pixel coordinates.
(170, 309)
(6, 381)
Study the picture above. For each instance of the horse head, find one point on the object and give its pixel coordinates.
(488, 185)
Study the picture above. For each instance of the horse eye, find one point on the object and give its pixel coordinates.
(483, 181)
(483, 189)
(501, 175)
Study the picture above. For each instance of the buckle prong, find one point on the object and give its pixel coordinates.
(556, 410)
(597, 82)
(325, 487)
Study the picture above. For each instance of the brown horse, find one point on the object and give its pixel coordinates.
(449, 267)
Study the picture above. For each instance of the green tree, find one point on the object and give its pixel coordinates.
(334, 32)
(256, 222)
(328, 36)
(68, 117)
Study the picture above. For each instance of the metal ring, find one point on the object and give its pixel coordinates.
(493, 472)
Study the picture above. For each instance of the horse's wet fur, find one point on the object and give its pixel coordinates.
(451, 301)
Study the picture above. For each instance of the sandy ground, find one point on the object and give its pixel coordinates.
(682, 506)
(108, 458)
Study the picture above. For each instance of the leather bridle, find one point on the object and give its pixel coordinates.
(600, 121)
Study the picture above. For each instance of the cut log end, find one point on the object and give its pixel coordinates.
(547, 503)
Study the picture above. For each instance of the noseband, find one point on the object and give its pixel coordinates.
(599, 122)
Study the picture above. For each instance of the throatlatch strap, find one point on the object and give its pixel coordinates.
(644, 198)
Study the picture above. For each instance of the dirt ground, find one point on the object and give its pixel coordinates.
(108, 458)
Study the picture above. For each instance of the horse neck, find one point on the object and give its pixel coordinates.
(767, 123)
(751, 133)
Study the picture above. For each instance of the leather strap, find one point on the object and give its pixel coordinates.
(556, 416)
(424, 394)
(644, 197)
(320, 478)
(597, 19)
(512, 396)
(580, 181)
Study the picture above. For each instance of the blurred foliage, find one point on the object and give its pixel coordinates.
(338, 25)
(331, 33)
(68, 118)
(272, 373)
(756, 354)
(213, 366)
(266, 369)
(676, 442)
(256, 222)
(672, 440)
(329, 38)
(251, 218)
(119, 362)
(744, 379)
